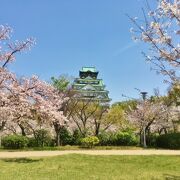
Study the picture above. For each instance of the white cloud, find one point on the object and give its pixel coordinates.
(125, 48)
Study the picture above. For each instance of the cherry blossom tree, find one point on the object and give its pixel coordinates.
(37, 102)
(148, 115)
(160, 29)
(7, 55)
(25, 102)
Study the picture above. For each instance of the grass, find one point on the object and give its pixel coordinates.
(68, 147)
(87, 167)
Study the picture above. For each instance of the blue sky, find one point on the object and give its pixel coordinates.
(75, 33)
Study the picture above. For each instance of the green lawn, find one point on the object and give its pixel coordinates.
(84, 167)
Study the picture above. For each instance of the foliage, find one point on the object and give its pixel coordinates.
(174, 93)
(90, 141)
(14, 142)
(99, 118)
(62, 83)
(126, 105)
(32, 142)
(116, 116)
(105, 139)
(65, 137)
(118, 139)
(41, 138)
(76, 137)
(169, 141)
(85, 113)
(152, 140)
(125, 139)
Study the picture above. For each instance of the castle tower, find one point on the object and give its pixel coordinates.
(88, 87)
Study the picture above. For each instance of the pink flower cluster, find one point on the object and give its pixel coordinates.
(161, 30)
(27, 101)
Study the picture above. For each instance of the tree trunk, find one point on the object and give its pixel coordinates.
(141, 138)
(0, 140)
(165, 131)
(22, 130)
(1, 130)
(97, 126)
(57, 128)
(144, 138)
(58, 139)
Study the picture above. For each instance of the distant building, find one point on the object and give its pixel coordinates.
(88, 87)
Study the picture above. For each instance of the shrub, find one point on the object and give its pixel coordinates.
(125, 139)
(41, 138)
(65, 137)
(14, 142)
(169, 141)
(105, 139)
(151, 140)
(118, 139)
(89, 142)
(76, 137)
(32, 142)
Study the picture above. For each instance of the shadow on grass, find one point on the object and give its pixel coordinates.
(21, 160)
(171, 177)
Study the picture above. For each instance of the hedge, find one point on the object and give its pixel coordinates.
(14, 142)
(118, 139)
(169, 141)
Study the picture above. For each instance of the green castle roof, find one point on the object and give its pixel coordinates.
(86, 69)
